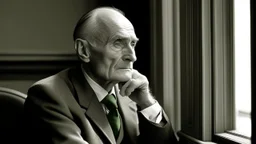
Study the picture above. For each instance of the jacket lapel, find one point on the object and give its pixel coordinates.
(128, 112)
(88, 101)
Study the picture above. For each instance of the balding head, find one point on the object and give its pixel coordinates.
(97, 25)
(105, 42)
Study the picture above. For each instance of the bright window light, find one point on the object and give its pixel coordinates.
(242, 66)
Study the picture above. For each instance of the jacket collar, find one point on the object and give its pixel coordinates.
(87, 99)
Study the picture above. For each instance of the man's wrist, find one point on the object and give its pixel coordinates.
(147, 103)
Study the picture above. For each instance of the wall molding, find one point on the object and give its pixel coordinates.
(13, 65)
(7, 57)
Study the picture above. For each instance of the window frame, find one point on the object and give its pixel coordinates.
(165, 57)
(202, 43)
(223, 70)
(223, 66)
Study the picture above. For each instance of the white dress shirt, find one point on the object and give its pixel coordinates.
(153, 113)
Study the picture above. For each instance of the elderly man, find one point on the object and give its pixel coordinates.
(104, 100)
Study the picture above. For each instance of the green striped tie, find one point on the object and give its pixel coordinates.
(113, 116)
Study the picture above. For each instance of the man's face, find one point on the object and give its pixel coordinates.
(113, 60)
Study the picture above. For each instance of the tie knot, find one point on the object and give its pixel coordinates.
(110, 101)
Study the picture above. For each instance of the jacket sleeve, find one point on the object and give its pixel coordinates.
(154, 133)
(48, 119)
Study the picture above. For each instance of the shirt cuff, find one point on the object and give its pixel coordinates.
(153, 113)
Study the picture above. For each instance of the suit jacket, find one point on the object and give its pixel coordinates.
(63, 109)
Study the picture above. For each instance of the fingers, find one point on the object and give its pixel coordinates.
(138, 81)
(123, 88)
(134, 84)
(130, 86)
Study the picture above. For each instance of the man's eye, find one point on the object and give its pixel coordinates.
(118, 40)
(118, 43)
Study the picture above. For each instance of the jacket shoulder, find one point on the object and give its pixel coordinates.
(53, 86)
(53, 79)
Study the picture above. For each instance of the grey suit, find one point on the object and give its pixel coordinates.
(63, 109)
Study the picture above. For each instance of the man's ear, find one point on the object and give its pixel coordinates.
(82, 49)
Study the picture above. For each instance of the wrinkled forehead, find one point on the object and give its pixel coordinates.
(111, 23)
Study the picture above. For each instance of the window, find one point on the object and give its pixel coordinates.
(232, 78)
(199, 59)
(242, 66)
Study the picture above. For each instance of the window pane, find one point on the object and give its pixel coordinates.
(242, 67)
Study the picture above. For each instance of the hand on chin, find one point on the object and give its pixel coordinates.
(137, 88)
(124, 76)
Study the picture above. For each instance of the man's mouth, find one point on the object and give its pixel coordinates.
(126, 68)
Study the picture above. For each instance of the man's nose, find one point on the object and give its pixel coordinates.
(129, 54)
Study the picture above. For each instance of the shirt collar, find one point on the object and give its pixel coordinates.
(100, 92)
